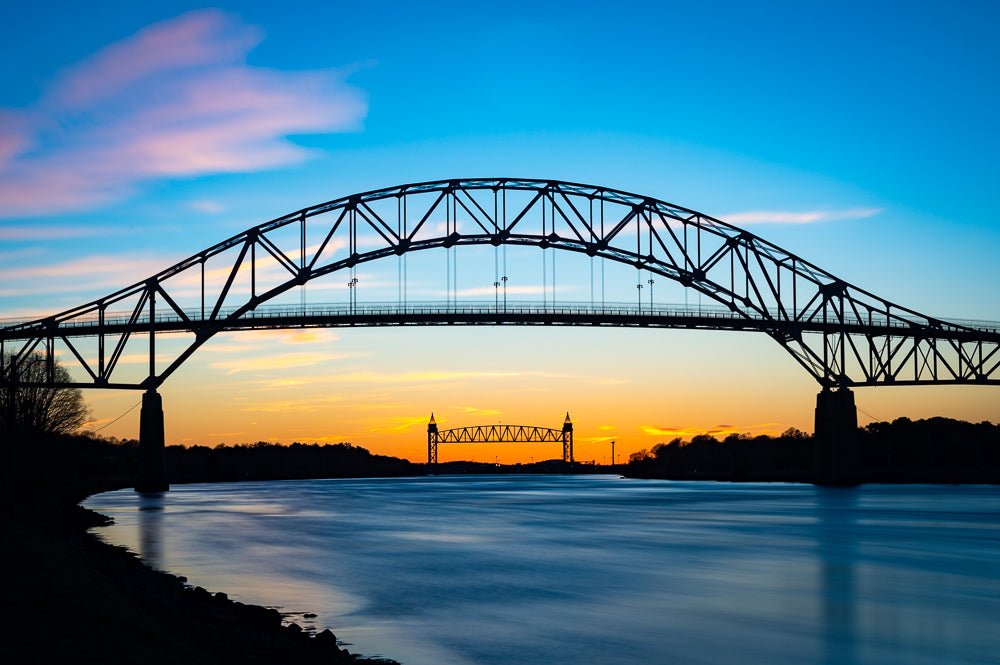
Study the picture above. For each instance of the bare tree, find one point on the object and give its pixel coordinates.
(27, 406)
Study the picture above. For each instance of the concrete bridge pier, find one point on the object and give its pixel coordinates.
(152, 457)
(836, 438)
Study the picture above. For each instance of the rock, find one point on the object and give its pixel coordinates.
(259, 617)
(326, 637)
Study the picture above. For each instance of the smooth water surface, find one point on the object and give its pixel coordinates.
(595, 569)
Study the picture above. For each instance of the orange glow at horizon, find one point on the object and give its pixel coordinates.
(376, 388)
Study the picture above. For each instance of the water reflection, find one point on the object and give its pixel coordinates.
(836, 545)
(493, 570)
(151, 527)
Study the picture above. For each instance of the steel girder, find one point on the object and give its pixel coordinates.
(501, 434)
(842, 335)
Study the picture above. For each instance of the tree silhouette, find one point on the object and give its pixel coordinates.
(27, 409)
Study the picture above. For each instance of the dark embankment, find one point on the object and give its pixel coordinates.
(71, 598)
(936, 450)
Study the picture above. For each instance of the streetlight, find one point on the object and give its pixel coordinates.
(638, 288)
(353, 297)
(650, 282)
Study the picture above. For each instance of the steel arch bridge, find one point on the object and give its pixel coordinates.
(842, 335)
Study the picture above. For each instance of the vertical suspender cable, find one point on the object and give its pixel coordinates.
(602, 259)
(406, 274)
(399, 258)
(545, 284)
(447, 256)
(454, 255)
(590, 217)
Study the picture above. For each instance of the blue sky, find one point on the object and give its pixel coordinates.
(860, 136)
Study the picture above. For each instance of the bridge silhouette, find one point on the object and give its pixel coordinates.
(842, 335)
(500, 433)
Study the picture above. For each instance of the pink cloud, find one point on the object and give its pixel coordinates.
(14, 135)
(24, 232)
(176, 99)
(191, 40)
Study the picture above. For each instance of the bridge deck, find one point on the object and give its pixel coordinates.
(286, 316)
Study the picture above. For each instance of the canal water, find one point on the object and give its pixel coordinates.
(457, 570)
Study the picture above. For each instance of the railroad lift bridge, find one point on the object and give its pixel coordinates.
(500, 433)
(845, 337)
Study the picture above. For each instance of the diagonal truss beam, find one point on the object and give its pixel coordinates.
(840, 334)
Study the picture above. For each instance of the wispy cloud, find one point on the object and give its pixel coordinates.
(415, 377)
(176, 99)
(478, 411)
(243, 342)
(206, 206)
(75, 275)
(270, 363)
(799, 216)
(402, 423)
(31, 232)
(688, 431)
(595, 439)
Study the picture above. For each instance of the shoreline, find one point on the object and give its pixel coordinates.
(72, 597)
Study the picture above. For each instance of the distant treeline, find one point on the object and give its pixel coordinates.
(931, 450)
(73, 466)
(272, 461)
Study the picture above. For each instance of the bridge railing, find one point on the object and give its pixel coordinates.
(271, 312)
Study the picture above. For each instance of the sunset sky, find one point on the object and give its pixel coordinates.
(859, 135)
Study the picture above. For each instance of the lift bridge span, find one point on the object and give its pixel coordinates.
(500, 433)
(842, 335)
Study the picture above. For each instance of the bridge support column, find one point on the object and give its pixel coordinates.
(836, 438)
(152, 457)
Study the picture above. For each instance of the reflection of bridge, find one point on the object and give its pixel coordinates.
(500, 434)
(840, 334)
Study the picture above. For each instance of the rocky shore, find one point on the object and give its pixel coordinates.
(69, 597)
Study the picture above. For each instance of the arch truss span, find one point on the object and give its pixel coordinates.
(840, 334)
(500, 433)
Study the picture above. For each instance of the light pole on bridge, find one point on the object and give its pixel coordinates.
(352, 285)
